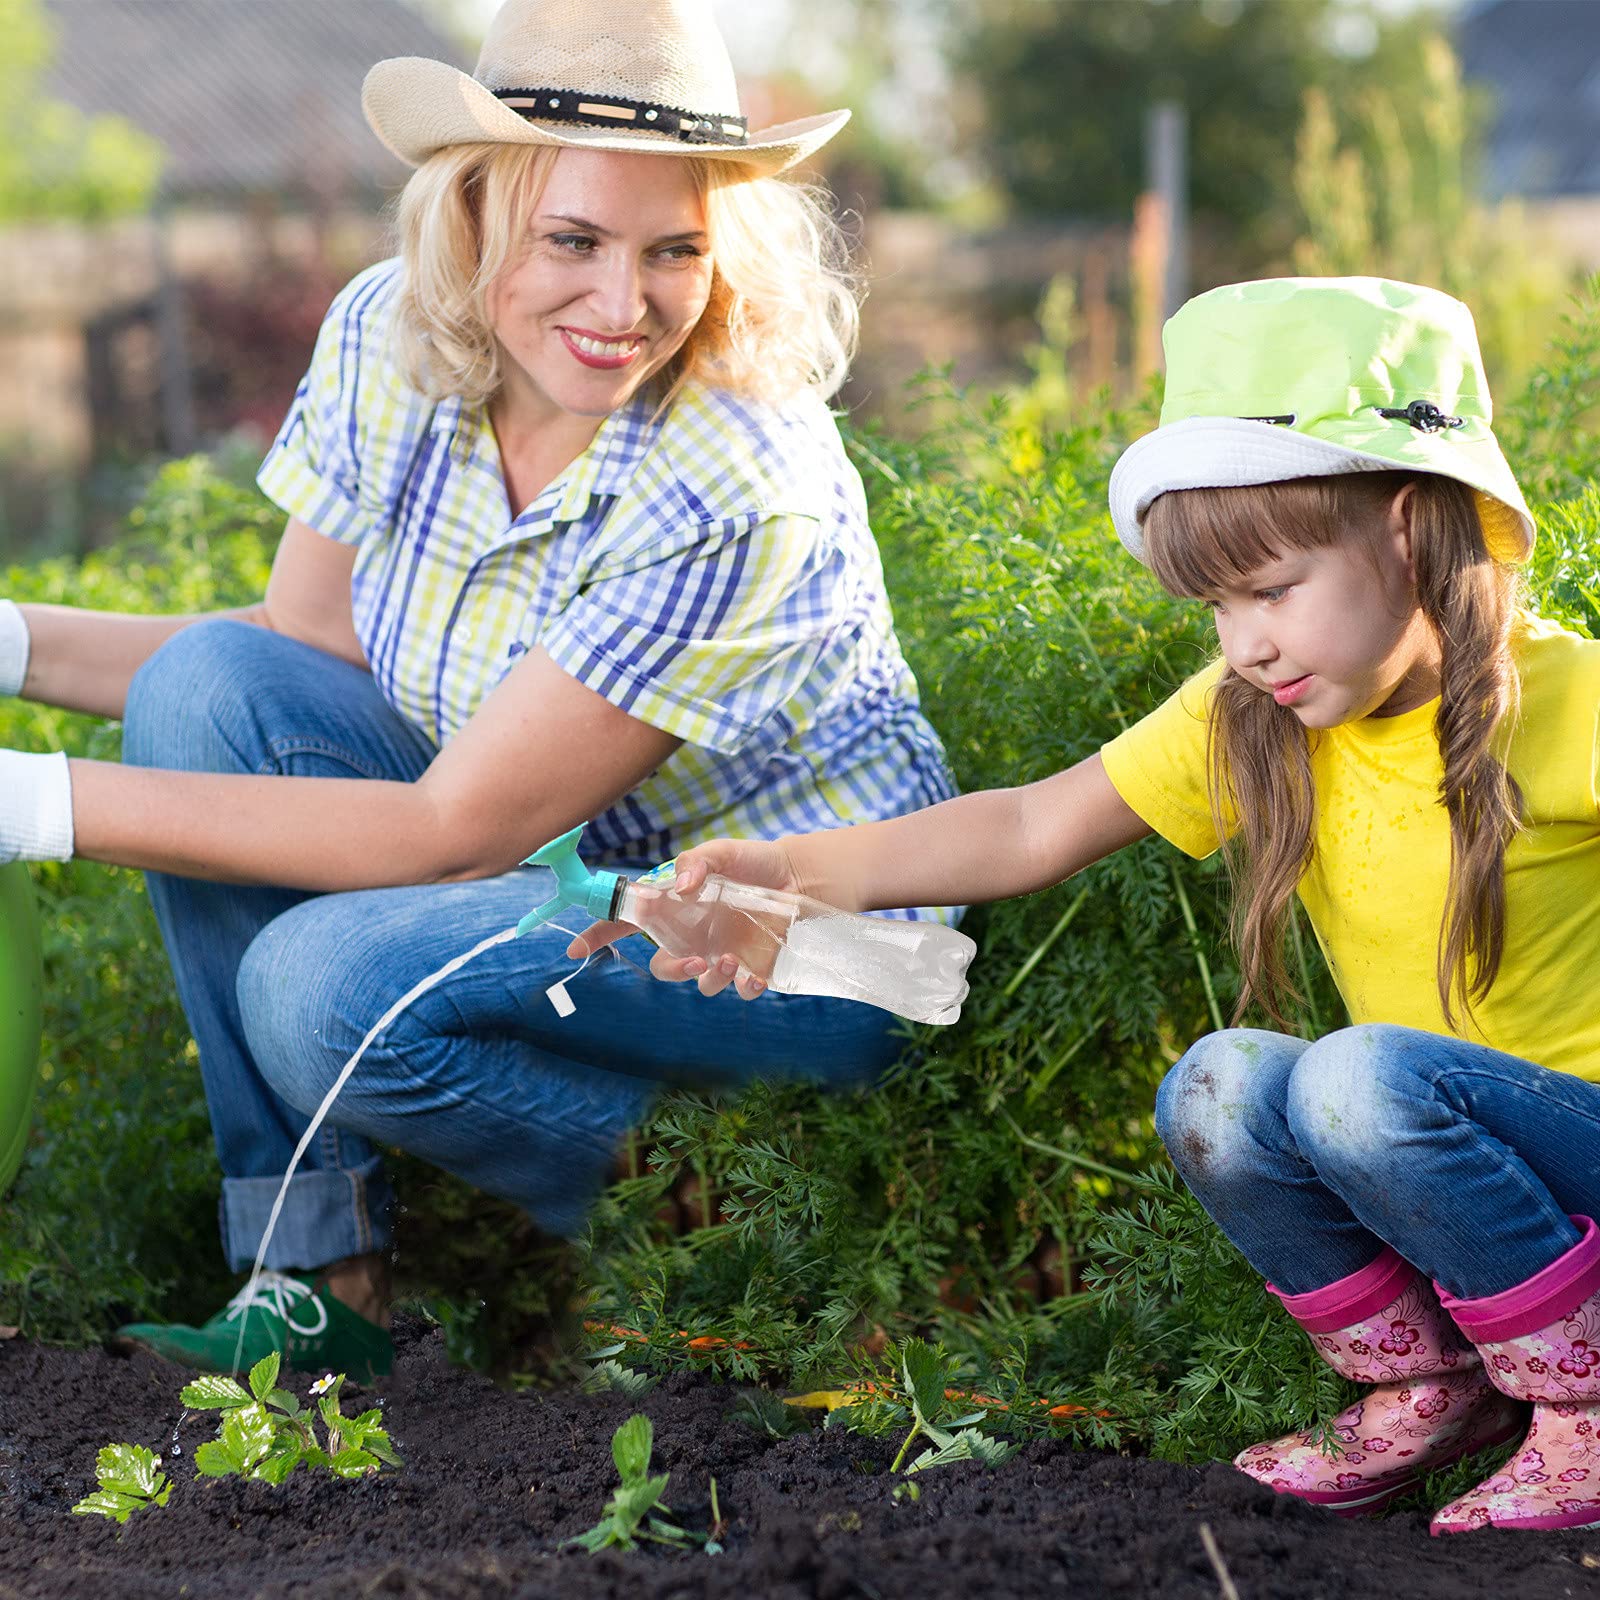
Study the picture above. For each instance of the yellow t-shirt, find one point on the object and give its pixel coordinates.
(1381, 855)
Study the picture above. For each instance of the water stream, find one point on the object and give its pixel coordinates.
(410, 997)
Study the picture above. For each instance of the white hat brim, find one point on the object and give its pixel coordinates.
(1232, 452)
(418, 107)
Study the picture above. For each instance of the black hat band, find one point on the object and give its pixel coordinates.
(641, 116)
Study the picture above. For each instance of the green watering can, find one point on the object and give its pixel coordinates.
(21, 986)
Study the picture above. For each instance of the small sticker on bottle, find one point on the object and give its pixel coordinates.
(560, 999)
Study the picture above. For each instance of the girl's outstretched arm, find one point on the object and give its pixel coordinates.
(990, 845)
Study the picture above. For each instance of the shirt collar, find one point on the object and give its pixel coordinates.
(612, 458)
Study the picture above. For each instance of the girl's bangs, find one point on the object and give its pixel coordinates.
(1200, 541)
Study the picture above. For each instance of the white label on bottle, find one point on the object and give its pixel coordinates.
(560, 999)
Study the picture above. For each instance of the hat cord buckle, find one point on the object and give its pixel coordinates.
(1423, 415)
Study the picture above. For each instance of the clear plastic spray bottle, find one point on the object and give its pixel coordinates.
(795, 944)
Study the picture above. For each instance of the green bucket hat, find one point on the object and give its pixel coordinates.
(1306, 377)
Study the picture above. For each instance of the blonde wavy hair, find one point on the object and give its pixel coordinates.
(1260, 754)
(783, 315)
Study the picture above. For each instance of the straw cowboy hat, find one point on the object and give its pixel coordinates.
(650, 76)
(1305, 377)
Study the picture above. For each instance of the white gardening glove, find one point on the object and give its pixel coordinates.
(13, 648)
(35, 807)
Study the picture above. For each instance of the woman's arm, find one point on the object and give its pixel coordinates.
(84, 660)
(542, 754)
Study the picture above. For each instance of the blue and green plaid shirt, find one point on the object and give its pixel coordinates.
(711, 572)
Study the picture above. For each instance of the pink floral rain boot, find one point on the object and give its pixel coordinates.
(1540, 1341)
(1432, 1404)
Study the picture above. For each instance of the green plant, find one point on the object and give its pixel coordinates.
(609, 1376)
(265, 1433)
(636, 1510)
(765, 1413)
(131, 1479)
(54, 161)
(914, 1383)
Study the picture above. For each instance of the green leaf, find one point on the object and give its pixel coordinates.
(377, 1441)
(611, 1377)
(128, 1469)
(634, 1500)
(278, 1464)
(924, 1369)
(213, 1392)
(285, 1402)
(353, 1464)
(631, 1445)
(314, 1457)
(248, 1434)
(356, 1429)
(970, 1445)
(333, 1419)
(603, 1536)
(264, 1375)
(108, 1503)
(214, 1460)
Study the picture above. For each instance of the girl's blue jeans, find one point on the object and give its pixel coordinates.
(480, 1076)
(1312, 1157)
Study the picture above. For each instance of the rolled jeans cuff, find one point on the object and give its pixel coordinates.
(327, 1215)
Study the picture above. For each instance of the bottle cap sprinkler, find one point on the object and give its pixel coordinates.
(595, 892)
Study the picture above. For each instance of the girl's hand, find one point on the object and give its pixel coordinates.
(754, 861)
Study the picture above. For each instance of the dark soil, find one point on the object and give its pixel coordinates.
(495, 1481)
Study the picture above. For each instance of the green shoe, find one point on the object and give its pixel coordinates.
(314, 1331)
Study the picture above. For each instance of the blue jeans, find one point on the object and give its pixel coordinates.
(480, 1076)
(1312, 1157)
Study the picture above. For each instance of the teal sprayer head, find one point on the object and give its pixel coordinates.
(594, 892)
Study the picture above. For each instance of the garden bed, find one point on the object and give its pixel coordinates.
(495, 1481)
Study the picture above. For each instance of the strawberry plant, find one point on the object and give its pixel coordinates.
(131, 1480)
(265, 1433)
(636, 1510)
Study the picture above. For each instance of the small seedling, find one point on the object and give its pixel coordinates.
(636, 1510)
(925, 1372)
(130, 1479)
(265, 1433)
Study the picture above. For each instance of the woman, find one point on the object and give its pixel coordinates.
(571, 537)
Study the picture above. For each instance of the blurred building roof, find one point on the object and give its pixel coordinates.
(1541, 61)
(246, 95)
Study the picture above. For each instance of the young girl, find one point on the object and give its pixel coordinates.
(1391, 737)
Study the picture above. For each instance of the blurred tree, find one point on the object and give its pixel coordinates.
(54, 161)
(1385, 186)
(1065, 87)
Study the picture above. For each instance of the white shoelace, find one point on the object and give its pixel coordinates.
(275, 1292)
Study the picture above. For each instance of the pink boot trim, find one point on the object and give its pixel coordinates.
(1363, 1294)
(1526, 1307)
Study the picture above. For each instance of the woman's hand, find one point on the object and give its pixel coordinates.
(753, 861)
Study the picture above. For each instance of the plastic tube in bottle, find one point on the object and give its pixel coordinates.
(797, 945)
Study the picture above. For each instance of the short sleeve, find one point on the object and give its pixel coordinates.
(1159, 766)
(715, 640)
(314, 470)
